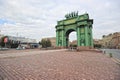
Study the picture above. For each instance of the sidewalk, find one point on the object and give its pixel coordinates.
(16, 53)
(59, 65)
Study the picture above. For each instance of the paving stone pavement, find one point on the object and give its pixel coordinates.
(17, 53)
(59, 65)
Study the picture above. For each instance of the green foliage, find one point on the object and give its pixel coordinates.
(103, 36)
(48, 43)
(15, 45)
(45, 43)
(2, 44)
(39, 43)
(97, 46)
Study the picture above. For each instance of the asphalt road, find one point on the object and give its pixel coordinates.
(115, 52)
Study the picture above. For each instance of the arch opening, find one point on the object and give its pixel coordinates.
(71, 38)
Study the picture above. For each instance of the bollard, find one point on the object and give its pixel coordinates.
(110, 54)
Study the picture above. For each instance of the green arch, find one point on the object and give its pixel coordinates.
(83, 27)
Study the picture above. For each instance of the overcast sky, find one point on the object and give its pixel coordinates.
(37, 18)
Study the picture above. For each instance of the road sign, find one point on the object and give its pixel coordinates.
(5, 40)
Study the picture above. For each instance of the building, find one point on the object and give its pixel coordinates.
(115, 41)
(21, 39)
(73, 43)
(106, 39)
(53, 41)
(109, 41)
(97, 43)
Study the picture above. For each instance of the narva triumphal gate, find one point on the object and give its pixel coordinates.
(74, 22)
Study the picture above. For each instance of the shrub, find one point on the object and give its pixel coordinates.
(45, 43)
(110, 54)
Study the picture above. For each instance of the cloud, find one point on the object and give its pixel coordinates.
(37, 18)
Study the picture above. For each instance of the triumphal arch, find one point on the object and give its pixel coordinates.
(74, 22)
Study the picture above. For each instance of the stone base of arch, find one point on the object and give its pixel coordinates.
(83, 48)
(60, 47)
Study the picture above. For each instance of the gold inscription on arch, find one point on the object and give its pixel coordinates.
(69, 21)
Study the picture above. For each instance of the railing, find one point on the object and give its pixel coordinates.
(72, 48)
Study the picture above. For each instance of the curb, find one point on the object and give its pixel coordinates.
(116, 60)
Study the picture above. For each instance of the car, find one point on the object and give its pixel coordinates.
(4, 48)
(20, 48)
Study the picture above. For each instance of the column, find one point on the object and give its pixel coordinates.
(91, 36)
(78, 36)
(57, 38)
(62, 37)
(86, 36)
(65, 40)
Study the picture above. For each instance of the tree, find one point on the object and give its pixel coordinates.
(103, 36)
(39, 43)
(48, 43)
(97, 45)
(2, 41)
(45, 43)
